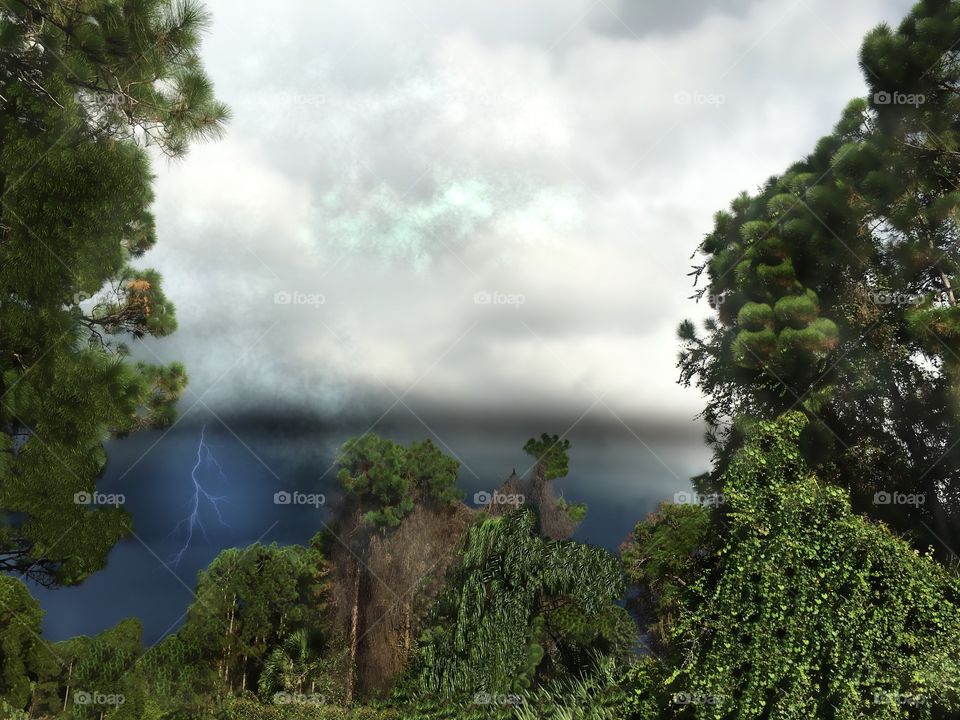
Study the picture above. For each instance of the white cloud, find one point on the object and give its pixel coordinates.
(398, 161)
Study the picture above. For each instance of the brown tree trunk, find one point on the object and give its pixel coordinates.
(354, 634)
(951, 298)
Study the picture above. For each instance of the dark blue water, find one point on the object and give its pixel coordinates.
(611, 470)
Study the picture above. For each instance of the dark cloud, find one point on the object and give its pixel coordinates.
(638, 18)
(400, 163)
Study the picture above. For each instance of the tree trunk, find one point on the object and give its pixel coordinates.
(66, 695)
(950, 295)
(354, 627)
(226, 641)
(947, 288)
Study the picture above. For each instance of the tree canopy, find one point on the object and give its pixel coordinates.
(85, 89)
(834, 289)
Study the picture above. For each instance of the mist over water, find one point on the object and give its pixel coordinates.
(611, 470)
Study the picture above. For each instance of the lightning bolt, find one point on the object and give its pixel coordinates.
(193, 521)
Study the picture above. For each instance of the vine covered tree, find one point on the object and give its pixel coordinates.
(517, 608)
(810, 610)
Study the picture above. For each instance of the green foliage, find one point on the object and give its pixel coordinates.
(756, 316)
(551, 455)
(797, 311)
(387, 477)
(556, 518)
(250, 709)
(101, 665)
(517, 605)
(433, 473)
(855, 249)
(596, 695)
(296, 669)
(21, 647)
(131, 71)
(262, 594)
(374, 469)
(259, 620)
(813, 611)
(181, 675)
(644, 691)
(84, 86)
(575, 511)
(663, 556)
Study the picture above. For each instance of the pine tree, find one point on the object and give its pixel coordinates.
(834, 288)
(85, 88)
(556, 518)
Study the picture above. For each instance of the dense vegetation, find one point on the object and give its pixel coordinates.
(817, 583)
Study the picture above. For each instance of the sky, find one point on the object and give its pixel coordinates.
(479, 210)
(468, 222)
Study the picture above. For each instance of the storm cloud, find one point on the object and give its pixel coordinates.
(479, 208)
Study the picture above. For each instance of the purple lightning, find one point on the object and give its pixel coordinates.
(193, 521)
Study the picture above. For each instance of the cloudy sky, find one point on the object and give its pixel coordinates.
(479, 208)
(465, 221)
